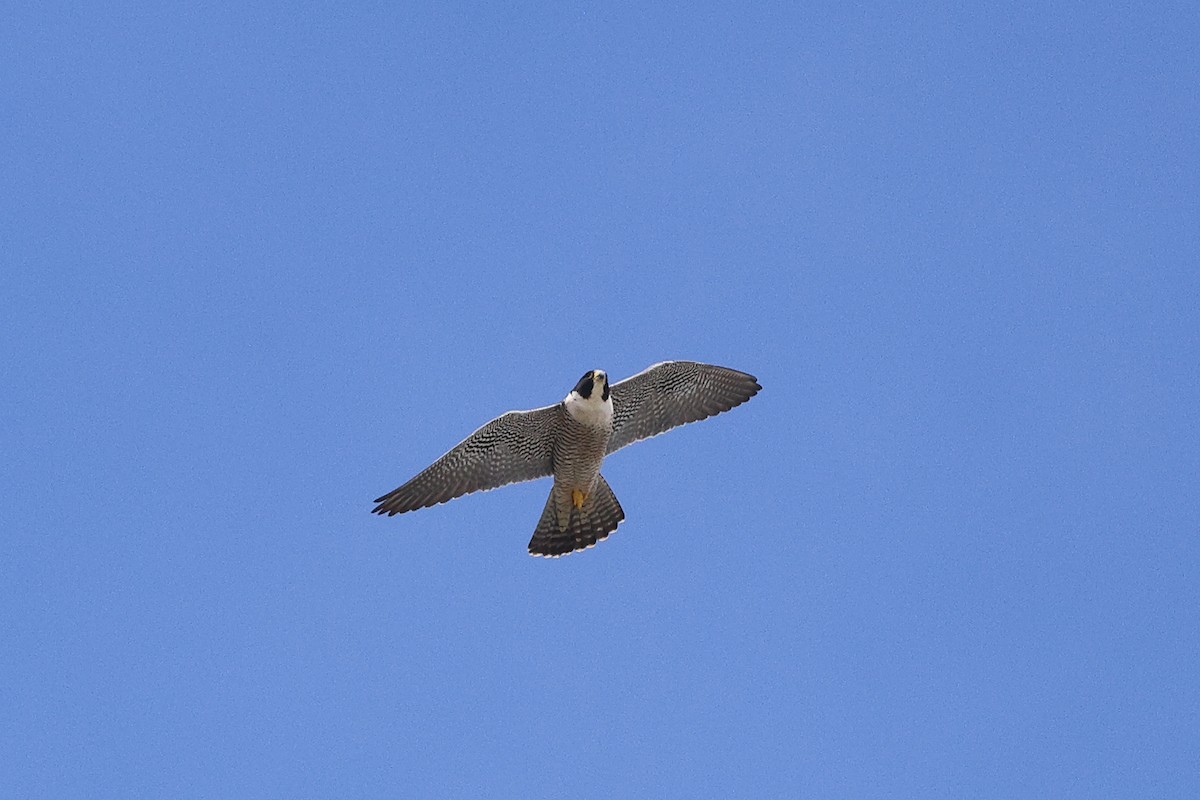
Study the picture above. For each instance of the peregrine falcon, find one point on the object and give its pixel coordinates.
(569, 440)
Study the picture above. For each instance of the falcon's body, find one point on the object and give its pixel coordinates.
(569, 441)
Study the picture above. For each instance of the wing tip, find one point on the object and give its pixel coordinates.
(749, 389)
(392, 507)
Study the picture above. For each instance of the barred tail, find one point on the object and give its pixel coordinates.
(564, 528)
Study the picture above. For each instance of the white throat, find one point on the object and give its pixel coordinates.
(590, 411)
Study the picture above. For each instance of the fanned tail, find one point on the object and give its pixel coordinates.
(582, 527)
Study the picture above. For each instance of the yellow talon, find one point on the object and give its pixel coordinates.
(578, 498)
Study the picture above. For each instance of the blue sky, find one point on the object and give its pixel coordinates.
(263, 263)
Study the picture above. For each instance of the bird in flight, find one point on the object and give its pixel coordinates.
(569, 440)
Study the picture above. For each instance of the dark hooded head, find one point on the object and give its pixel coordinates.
(589, 382)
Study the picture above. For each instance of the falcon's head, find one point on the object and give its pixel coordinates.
(593, 382)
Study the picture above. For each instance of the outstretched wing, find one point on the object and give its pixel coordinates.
(517, 446)
(672, 393)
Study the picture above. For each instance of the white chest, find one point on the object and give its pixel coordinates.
(593, 412)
